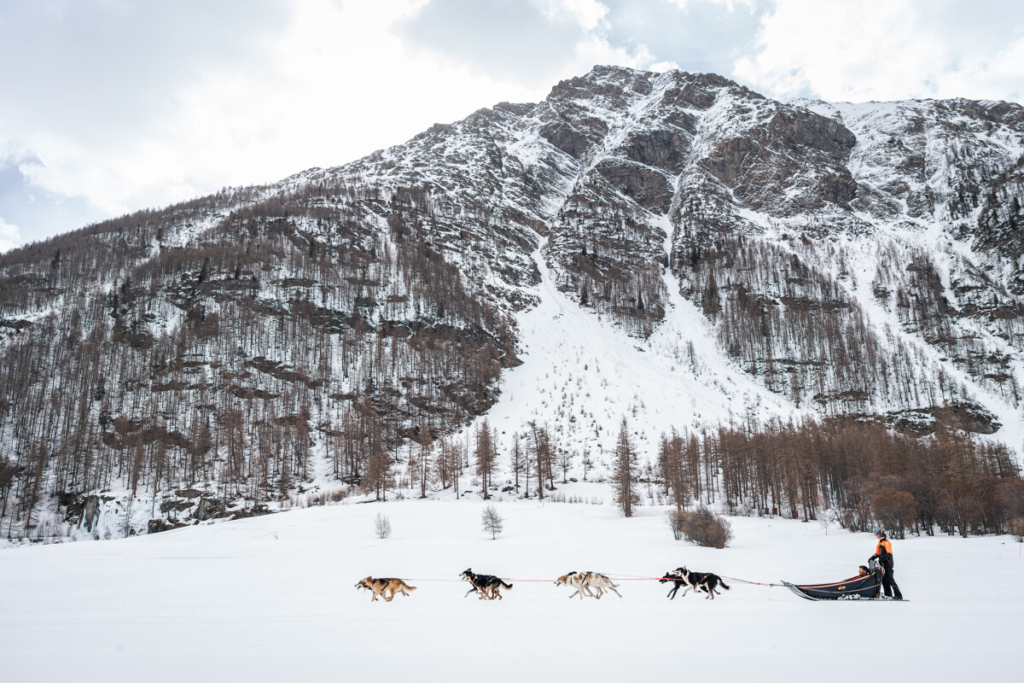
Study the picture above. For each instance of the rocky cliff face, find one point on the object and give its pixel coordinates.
(852, 259)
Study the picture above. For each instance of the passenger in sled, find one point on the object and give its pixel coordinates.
(876, 575)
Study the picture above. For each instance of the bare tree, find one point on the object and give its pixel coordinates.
(518, 459)
(541, 445)
(624, 476)
(485, 456)
(426, 443)
(378, 473)
(564, 459)
(447, 468)
(673, 471)
(492, 521)
(588, 464)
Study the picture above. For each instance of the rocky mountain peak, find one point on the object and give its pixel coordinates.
(775, 259)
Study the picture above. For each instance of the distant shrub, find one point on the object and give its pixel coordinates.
(382, 525)
(702, 527)
(675, 522)
(1016, 529)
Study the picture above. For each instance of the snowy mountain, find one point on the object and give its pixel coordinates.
(672, 248)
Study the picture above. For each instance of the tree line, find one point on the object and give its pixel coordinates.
(865, 474)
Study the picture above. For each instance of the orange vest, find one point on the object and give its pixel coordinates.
(884, 543)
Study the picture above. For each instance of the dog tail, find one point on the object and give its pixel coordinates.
(412, 588)
(722, 584)
(507, 586)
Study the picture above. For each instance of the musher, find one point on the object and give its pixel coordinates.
(883, 553)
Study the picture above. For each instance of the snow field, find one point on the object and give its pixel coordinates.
(273, 598)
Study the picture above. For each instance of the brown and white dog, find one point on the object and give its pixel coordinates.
(586, 582)
(387, 588)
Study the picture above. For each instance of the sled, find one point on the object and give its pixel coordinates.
(867, 587)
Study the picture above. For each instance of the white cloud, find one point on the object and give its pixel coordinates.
(9, 236)
(730, 5)
(336, 84)
(597, 50)
(884, 50)
(661, 67)
(588, 13)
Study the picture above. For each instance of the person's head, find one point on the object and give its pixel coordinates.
(862, 570)
(879, 534)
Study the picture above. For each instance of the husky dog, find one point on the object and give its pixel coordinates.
(694, 581)
(485, 585)
(387, 588)
(583, 582)
(600, 583)
(575, 580)
(677, 584)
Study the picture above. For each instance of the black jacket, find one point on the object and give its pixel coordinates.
(882, 553)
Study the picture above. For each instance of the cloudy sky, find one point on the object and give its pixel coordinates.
(108, 106)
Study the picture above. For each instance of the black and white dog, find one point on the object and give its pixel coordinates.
(694, 581)
(486, 585)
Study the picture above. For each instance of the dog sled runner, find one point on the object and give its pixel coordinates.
(865, 587)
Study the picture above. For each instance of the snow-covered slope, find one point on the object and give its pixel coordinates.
(581, 375)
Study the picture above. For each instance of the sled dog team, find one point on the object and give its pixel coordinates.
(589, 584)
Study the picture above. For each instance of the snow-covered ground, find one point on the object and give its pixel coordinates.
(273, 599)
